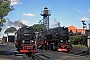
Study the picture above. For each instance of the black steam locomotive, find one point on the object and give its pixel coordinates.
(25, 39)
(54, 39)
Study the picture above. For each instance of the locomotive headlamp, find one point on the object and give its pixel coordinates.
(25, 34)
(27, 27)
(68, 40)
(44, 37)
(61, 40)
(32, 41)
(23, 41)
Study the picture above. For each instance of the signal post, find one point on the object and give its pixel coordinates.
(88, 40)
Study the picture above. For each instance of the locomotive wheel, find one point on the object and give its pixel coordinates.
(18, 50)
(16, 46)
(53, 47)
(46, 48)
(41, 46)
(68, 50)
(50, 47)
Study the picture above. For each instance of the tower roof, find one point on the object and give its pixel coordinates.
(45, 8)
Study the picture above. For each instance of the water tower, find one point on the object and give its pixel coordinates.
(45, 13)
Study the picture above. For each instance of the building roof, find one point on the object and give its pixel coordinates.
(74, 29)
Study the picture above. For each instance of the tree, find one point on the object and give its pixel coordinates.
(37, 27)
(5, 8)
(11, 29)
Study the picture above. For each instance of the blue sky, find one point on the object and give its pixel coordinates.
(67, 12)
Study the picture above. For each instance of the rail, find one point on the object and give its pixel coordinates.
(40, 56)
(26, 56)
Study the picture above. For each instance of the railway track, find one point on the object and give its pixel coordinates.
(81, 52)
(32, 56)
(26, 56)
(40, 56)
(48, 55)
(53, 55)
(65, 56)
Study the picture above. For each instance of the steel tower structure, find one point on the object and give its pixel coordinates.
(45, 13)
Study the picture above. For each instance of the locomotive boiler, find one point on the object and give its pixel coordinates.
(25, 39)
(55, 39)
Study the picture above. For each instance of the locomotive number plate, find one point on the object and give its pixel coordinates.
(52, 43)
(28, 47)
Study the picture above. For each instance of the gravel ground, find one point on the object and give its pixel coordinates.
(63, 56)
(54, 55)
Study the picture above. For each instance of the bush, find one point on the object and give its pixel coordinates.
(79, 45)
(78, 40)
(75, 39)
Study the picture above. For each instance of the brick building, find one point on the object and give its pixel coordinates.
(75, 30)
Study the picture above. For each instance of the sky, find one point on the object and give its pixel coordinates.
(67, 12)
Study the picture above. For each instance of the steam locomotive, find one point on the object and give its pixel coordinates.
(54, 39)
(25, 39)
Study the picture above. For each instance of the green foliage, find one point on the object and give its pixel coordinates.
(11, 29)
(78, 45)
(5, 8)
(76, 39)
(2, 21)
(37, 27)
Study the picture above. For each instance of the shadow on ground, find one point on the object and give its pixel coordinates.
(8, 52)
